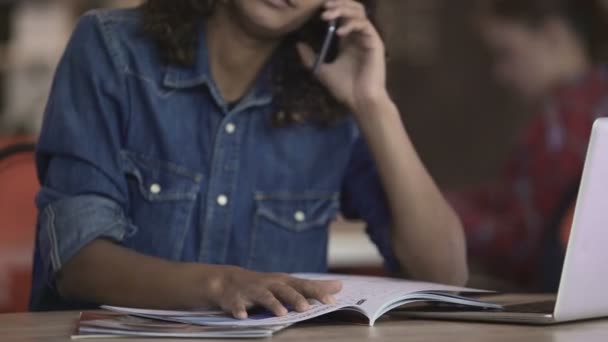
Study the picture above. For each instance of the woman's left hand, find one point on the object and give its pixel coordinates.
(358, 76)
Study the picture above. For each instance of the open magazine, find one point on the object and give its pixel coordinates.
(372, 297)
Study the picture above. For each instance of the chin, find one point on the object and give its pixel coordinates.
(266, 19)
(268, 28)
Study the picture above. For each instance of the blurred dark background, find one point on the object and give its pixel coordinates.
(462, 122)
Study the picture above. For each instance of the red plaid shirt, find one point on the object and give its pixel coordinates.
(507, 219)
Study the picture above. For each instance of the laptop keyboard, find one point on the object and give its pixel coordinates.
(544, 307)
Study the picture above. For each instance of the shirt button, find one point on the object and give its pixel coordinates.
(222, 200)
(299, 216)
(230, 128)
(155, 189)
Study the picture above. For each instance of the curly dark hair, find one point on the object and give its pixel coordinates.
(298, 95)
(589, 18)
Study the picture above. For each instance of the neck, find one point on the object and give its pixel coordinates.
(235, 57)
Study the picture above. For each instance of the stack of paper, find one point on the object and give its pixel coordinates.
(112, 324)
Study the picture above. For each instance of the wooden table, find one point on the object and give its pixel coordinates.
(57, 327)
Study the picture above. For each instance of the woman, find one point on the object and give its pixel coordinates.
(551, 52)
(188, 149)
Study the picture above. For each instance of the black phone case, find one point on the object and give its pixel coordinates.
(314, 33)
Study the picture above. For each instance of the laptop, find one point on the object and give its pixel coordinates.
(583, 287)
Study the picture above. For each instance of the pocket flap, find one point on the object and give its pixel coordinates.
(160, 180)
(297, 212)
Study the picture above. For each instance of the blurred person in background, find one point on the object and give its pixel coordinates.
(552, 53)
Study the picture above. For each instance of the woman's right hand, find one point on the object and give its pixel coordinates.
(106, 273)
(235, 290)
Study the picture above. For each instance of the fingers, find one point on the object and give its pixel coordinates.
(345, 9)
(294, 295)
(355, 25)
(274, 292)
(236, 306)
(239, 311)
(332, 286)
(291, 297)
(352, 15)
(267, 300)
(322, 291)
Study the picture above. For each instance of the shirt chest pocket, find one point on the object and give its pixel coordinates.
(162, 196)
(290, 231)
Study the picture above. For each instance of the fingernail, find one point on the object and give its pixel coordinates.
(303, 307)
(330, 300)
(241, 315)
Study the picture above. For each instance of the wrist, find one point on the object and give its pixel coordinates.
(200, 285)
(372, 104)
(377, 111)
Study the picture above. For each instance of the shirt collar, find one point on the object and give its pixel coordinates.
(199, 74)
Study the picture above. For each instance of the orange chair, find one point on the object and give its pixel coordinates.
(18, 187)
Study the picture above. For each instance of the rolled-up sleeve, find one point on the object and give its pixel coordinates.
(83, 193)
(72, 222)
(363, 198)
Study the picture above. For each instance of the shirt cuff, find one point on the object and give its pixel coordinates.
(67, 225)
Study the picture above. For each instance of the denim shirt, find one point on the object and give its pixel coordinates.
(150, 156)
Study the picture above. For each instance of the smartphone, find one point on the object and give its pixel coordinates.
(328, 44)
(321, 36)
